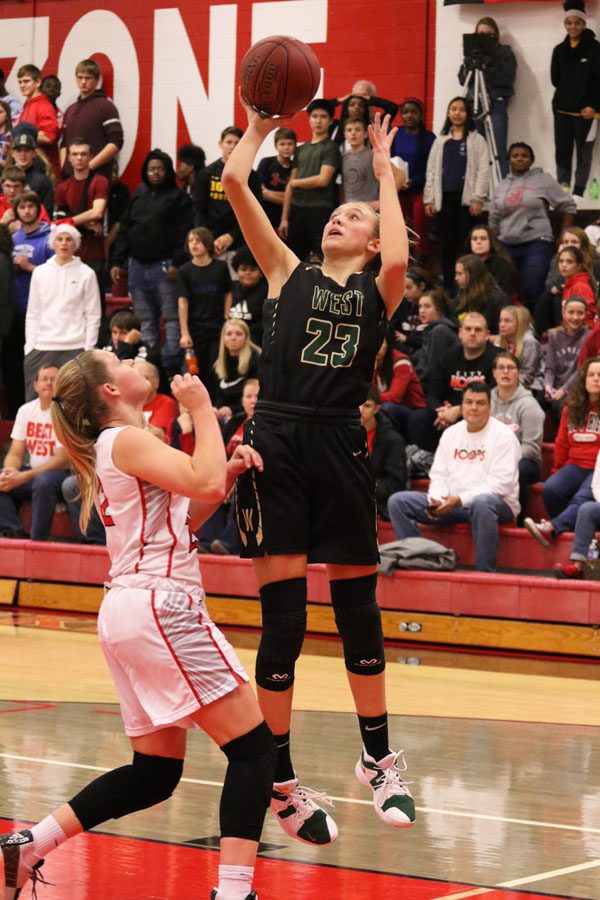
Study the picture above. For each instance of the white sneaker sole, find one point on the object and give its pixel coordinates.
(535, 533)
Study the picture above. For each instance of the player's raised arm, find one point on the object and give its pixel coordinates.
(392, 229)
(275, 259)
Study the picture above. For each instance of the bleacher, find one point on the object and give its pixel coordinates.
(521, 607)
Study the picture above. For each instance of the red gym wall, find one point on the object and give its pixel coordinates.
(173, 70)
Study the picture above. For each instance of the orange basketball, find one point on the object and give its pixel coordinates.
(279, 75)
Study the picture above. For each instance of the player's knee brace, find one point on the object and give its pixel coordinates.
(248, 783)
(284, 626)
(358, 620)
(147, 781)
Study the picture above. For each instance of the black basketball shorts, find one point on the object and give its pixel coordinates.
(316, 495)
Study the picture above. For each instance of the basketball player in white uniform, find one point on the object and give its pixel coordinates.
(171, 666)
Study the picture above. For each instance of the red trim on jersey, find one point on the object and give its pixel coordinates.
(217, 648)
(172, 652)
(142, 535)
(172, 533)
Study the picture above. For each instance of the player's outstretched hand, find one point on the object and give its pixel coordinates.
(190, 392)
(381, 141)
(243, 458)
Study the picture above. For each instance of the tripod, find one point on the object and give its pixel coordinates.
(481, 111)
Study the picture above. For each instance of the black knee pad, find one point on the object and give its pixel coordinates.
(358, 619)
(147, 781)
(248, 783)
(284, 626)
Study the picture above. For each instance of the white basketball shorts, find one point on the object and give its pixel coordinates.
(167, 658)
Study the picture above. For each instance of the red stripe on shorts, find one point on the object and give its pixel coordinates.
(171, 651)
(172, 533)
(142, 530)
(217, 648)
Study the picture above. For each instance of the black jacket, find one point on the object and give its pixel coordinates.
(388, 460)
(575, 73)
(155, 224)
(212, 209)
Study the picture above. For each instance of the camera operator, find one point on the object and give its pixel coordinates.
(499, 66)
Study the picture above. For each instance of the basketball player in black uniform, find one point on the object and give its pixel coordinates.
(315, 500)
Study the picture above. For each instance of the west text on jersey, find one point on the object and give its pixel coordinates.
(348, 303)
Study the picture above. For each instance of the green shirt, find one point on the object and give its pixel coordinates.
(308, 160)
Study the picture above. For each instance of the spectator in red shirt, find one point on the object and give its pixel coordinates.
(39, 110)
(579, 281)
(575, 452)
(399, 386)
(83, 198)
(386, 449)
(160, 411)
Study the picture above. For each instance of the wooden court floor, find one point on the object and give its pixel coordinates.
(503, 754)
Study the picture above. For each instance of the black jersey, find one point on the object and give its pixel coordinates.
(320, 340)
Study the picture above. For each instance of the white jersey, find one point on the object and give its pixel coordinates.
(147, 527)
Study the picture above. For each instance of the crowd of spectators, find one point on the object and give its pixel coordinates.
(496, 339)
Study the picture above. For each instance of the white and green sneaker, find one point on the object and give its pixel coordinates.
(300, 815)
(392, 799)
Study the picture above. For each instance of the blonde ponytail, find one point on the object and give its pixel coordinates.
(77, 412)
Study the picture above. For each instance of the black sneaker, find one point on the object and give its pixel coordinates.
(16, 872)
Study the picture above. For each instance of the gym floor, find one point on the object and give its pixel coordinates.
(503, 756)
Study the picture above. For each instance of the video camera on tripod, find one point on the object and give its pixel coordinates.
(478, 48)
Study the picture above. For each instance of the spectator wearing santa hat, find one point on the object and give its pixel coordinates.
(63, 313)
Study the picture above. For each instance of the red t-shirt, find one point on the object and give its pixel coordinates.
(577, 446)
(371, 439)
(67, 197)
(161, 413)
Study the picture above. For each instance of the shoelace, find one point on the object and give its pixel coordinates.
(37, 877)
(308, 799)
(390, 782)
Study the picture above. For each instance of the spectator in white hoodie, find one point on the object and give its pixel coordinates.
(474, 479)
(63, 312)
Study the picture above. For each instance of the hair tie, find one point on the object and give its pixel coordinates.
(57, 400)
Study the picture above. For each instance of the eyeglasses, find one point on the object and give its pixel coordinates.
(506, 368)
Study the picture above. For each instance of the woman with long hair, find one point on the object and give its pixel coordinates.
(478, 291)
(316, 501)
(484, 244)
(173, 670)
(578, 280)
(405, 323)
(547, 312)
(456, 183)
(237, 361)
(5, 132)
(562, 354)
(575, 454)
(400, 390)
(516, 336)
(439, 334)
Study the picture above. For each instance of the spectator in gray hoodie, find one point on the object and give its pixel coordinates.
(519, 216)
(517, 407)
(562, 352)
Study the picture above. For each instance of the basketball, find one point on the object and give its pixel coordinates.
(279, 75)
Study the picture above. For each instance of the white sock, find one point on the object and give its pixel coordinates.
(47, 836)
(235, 882)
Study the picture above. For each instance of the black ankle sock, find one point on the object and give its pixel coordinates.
(284, 770)
(374, 732)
